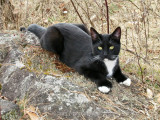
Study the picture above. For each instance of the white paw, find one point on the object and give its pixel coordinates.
(104, 89)
(126, 82)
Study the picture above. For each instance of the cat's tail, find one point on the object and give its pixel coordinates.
(36, 29)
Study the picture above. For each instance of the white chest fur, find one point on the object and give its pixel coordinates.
(110, 64)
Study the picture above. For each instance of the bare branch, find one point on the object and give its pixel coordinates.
(88, 15)
(107, 18)
(134, 4)
(77, 12)
(138, 56)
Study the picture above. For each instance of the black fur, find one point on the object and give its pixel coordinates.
(80, 50)
(106, 41)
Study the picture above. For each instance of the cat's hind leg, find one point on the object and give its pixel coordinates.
(52, 40)
(121, 78)
(83, 27)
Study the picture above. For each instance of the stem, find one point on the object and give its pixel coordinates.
(145, 29)
(134, 4)
(107, 18)
(142, 77)
(77, 12)
(88, 15)
(138, 58)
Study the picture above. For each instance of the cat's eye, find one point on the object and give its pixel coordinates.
(100, 48)
(111, 47)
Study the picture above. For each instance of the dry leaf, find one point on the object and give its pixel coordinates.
(129, 25)
(16, 11)
(32, 108)
(149, 93)
(46, 21)
(31, 111)
(61, 5)
(3, 97)
(93, 17)
(158, 95)
(158, 98)
(66, 1)
(33, 115)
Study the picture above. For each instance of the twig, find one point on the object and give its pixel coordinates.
(134, 4)
(77, 12)
(138, 56)
(145, 31)
(101, 10)
(88, 15)
(140, 70)
(43, 11)
(102, 14)
(138, 60)
(107, 18)
(86, 12)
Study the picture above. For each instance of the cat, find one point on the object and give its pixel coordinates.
(91, 54)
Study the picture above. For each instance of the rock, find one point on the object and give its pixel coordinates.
(7, 106)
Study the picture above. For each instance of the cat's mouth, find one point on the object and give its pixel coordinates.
(110, 57)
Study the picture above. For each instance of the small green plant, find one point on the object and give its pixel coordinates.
(12, 115)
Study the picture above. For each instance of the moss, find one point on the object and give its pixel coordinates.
(12, 115)
(40, 61)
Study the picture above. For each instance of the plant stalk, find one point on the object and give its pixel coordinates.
(107, 18)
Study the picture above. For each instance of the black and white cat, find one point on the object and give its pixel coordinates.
(108, 47)
(91, 54)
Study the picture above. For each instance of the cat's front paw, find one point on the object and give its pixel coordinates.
(127, 82)
(104, 89)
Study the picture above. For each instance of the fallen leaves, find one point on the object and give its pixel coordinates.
(62, 67)
(31, 111)
(158, 98)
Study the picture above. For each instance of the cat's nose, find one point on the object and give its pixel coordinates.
(105, 54)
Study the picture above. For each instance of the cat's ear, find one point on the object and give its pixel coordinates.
(94, 34)
(116, 34)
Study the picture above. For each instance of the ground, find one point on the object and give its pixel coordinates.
(54, 91)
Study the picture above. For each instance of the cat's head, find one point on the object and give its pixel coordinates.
(106, 45)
